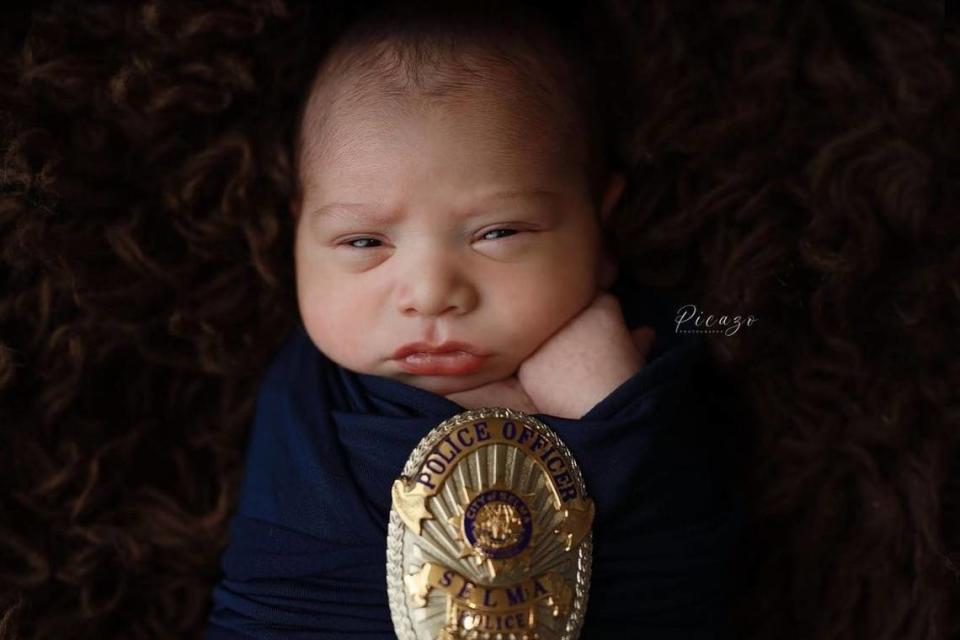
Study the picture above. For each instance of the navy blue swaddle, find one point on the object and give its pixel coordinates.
(307, 556)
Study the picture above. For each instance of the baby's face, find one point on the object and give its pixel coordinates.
(434, 223)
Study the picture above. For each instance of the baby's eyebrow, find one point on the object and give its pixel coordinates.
(381, 213)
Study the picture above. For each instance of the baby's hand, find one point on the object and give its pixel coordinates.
(502, 393)
(585, 360)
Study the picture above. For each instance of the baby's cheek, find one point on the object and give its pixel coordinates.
(527, 327)
(334, 328)
(523, 330)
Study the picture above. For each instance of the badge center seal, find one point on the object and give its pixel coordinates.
(490, 533)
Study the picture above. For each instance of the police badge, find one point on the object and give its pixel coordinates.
(489, 534)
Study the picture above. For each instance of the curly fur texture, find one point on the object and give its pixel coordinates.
(792, 160)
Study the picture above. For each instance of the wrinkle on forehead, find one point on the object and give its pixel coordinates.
(379, 81)
(487, 128)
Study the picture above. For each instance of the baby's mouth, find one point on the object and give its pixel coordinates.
(449, 363)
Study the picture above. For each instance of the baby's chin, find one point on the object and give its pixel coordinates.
(446, 385)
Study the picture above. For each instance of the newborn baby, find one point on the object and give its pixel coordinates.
(452, 187)
(461, 215)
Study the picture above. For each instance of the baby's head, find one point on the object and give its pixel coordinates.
(453, 178)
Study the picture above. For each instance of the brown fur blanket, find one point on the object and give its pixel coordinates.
(797, 161)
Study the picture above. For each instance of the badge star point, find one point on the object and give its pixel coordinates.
(410, 505)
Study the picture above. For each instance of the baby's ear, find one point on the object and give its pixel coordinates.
(612, 194)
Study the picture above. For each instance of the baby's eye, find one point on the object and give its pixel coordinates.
(366, 242)
(492, 231)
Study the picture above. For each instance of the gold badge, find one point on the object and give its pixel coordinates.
(489, 534)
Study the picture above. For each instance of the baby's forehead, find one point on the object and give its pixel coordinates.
(347, 88)
(469, 148)
(388, 76)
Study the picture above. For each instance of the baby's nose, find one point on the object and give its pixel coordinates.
(435, 283)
